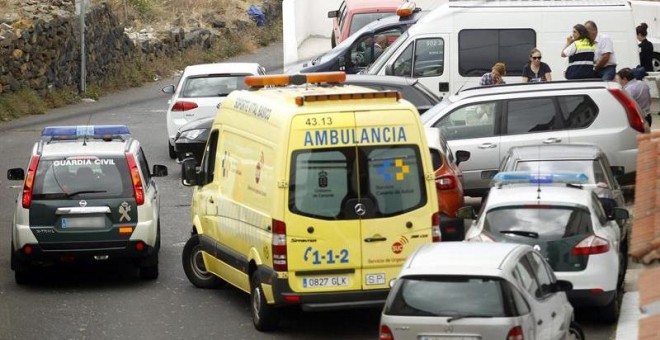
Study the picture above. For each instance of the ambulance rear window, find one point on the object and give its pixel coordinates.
(327, 183)
(82, 177)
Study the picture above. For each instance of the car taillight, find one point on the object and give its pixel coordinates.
(138, 191)
(481, 238)
(385, 333)
(445, 182)
(28, 185)
(635, 117)
(184, 106)
(435, 228)
(591, 245)
(279, 246)
(515, 333)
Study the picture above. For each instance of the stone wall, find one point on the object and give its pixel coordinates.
(43, 52)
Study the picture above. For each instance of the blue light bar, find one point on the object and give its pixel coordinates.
(79, 131)
(518, 177)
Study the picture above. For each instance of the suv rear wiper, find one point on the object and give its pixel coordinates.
(85, 192)
(462, 316)
(530, 234)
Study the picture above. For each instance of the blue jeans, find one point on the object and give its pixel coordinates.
(607, 72)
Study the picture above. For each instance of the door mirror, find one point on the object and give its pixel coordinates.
(462, 156)
(159, 170)
(15, 174)
(189, 174)
(562, 286)
(620, 213)
(466, 213)
(169, 89)
(617, 171)
(333, 14)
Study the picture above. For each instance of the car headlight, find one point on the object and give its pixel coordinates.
(191, 134)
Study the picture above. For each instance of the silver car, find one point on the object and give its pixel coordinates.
(473, 291)
(487, 121)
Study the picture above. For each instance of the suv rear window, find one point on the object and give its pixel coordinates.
(390, 178)
(212, 86)
(549, 222)
(451, 296)
(82, 177)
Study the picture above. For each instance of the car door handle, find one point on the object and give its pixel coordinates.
(211, 200)
(552, 140)
(375, 239)
(553, 315)
(540, 322)
(487, 146)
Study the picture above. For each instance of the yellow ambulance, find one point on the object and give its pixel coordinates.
(310, 193)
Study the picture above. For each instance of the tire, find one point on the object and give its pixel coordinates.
(610, 314)
(332, 39)
(22, 274)
(170, 149)
(150, 272)
(264, 316)
(655, 61)
(575, 332)
(193, 266)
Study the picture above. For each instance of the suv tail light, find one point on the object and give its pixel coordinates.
(138, 190)
(279, 247)
(515, 333)
(446, 182)
(435, 227)
(28, 185)
(635, 117)
(184, 106)
(385, 333)
(591, 245)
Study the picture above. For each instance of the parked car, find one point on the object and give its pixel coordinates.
(191, 139)
(489, 120)
(358, 51)
(200, 90)
(411, 89)
(448, 182)
(355, 14)
(477, 291)
(567, 224)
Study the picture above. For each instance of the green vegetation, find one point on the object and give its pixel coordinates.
(140, 71)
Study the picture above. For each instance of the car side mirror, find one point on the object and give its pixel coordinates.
(462, 156)
(617, 171)
(169, 89)
(620, 213)
(15, 174)
(189, 174)
(333, 14)
(562, 286)
(466, 213)
(159, 170)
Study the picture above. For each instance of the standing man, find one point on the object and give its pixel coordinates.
(637, 89)
(605, 61)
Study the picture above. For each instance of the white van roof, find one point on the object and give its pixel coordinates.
(535, 3)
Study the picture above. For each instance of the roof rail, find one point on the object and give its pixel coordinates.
(542, 83)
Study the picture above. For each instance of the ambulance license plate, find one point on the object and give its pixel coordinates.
(325, 281)
(82, 222)
(448, 337)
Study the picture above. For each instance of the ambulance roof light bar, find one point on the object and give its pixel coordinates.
(71, 132)
(295, 79)
(526, 177)
(301, 100)
(406, 9)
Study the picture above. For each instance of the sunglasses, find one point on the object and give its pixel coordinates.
(536, 58)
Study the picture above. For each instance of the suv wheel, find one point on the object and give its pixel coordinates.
(193, 265)
(22, 273)
(575, 331)
(170, 149)
(610, 313)
(264, 316)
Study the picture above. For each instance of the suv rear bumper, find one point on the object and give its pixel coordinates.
(116, 251)
(585, 298)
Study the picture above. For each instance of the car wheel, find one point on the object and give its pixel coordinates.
(610, 314)
(655, 61)
(193, 265)
(264, 316)
(333, 43)
(171, 150)
(22, 274)
(575, 332)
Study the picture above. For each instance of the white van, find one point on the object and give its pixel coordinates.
(455, 44)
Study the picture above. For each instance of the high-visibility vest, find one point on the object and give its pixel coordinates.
(581, 64)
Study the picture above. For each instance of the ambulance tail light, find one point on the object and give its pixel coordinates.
(435, 227)
(279, 247)
(184, 106)
(29, 182)
(138, 190)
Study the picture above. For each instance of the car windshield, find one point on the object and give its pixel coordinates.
(363, 19)
(218, 85)
(589, 167)
(547, 222)
(449, 296)
(82, 177)
(380, 62)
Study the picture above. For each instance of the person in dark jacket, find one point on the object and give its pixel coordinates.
(645, 47)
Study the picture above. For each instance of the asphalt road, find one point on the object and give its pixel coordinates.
(111, 302)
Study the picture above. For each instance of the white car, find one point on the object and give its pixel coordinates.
(461, 290)
(567, 224)
(200, 90)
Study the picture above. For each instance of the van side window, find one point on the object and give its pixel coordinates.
(429, 57)
(531, 115)
(208, 160)
(471, 121)
(578, 111)
(479, 49)
(403, 64)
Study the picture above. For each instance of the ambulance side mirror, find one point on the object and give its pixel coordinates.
(189, 175)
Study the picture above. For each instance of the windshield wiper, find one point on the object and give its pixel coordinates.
(85, 192)
(529, 234)
(463, 316)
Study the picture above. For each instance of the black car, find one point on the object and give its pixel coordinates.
(411, 89)
(191, 139)
(358, 51)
